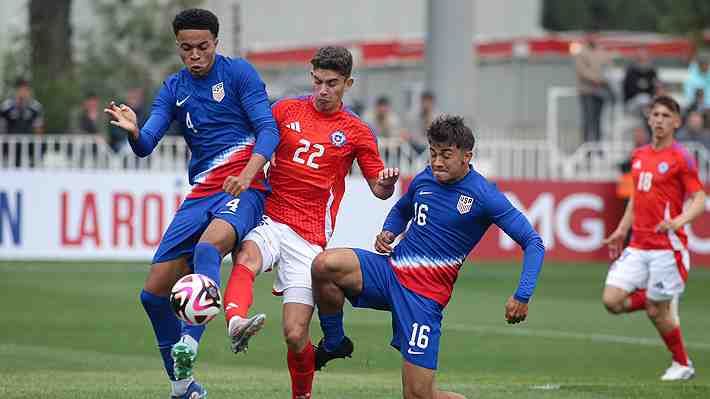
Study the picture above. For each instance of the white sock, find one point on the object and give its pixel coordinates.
(189, 341)
(180, 386)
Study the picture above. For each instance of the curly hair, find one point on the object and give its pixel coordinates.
(334, 58)
(451, 130)
(196, 18)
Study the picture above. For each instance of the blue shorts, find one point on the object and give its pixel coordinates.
(416, 320)
(194, 215)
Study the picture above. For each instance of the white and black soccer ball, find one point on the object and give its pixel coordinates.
(195, 299)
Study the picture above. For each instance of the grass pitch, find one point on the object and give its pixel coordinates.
(78, 330)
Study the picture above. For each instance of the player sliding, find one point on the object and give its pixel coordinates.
(651, 272)
(319, 141)
(450, 207)
(224, 113)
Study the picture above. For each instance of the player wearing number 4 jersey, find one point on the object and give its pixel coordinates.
(319, 141)
(650, 274)
(222, 107)
(448, 206)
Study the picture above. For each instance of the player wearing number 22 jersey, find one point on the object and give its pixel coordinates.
(320, 139)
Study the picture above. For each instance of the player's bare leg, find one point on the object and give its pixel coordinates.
(335, 273)
(418, 383)
(665, 321)
(239, 295)
(301, 355)
(617, 300)
(167, 328)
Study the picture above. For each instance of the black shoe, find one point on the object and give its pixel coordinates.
(345, 349)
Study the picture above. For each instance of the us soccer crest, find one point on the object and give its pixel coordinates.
(218, 92)
(464, 205)
(338, 138)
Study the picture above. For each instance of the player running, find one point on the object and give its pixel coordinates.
(651, 272)
(222, 107)
(450, 207)
(319, 141)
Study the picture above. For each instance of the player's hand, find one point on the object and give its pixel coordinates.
(236, 185)
(123, 117)
(515, 311)
(669, 225)
(383, 242)
(388, 177)
(615, 243)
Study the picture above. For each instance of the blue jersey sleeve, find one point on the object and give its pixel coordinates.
(161, 115)
(517, 226)
(401, 213)
(255, 102)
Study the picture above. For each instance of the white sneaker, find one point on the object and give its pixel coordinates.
(678, 372)
(240, 330)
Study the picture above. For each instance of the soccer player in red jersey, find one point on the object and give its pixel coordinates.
(652, 271)
(320, 139)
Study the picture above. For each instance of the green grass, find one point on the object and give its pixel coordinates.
(78, 331)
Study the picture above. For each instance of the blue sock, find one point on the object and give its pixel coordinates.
(332, 326)
(193, 331)
(165, 325)
(207, 261)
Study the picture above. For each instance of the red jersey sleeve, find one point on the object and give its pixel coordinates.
(367, 153)
(689, 175)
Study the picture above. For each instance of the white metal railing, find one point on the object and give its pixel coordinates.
(496, 158)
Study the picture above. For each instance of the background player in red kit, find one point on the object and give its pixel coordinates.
(651, 272)
(320, 139)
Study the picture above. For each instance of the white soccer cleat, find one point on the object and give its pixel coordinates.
(678, 372)
(240, 330)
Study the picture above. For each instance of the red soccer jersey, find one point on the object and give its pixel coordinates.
(663, 179)
(314, 155)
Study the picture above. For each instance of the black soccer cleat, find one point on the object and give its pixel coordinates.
(345, 349)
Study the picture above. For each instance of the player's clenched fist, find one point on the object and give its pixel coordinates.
(383, 242)
(515, 311)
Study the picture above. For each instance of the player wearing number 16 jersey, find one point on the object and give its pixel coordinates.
(320, 139)
(225, 118)
(651, 272)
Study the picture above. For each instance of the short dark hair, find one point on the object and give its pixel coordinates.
(21, 82)
(427, 95)
(333, 58)
(382, 100)
(667, 102)
(196, 18)
(451, 130)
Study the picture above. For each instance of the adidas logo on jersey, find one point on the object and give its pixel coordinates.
(295, 126)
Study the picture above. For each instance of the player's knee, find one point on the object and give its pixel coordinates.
(322, 266)
(295, 335)
(418, 390)
(249, 256)
(613, 305)
(653, 312)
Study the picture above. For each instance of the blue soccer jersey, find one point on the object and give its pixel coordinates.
(447, 221)
(224, 117)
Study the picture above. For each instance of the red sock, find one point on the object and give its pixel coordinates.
(301, 366)
(239, 293)
(674, 342)
(637, 300)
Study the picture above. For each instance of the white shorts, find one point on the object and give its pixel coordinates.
(284, 250)
(661, 271)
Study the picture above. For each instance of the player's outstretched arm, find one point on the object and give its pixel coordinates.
(383, 186)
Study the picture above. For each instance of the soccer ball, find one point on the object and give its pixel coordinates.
(195, 299)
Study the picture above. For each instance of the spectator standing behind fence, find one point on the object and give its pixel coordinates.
(592, 87)
(419, 121)
(694, 130)
(382, 119)
(698, 78)
(639, 84)
(135, 98)
(87, 121)
(22, 114)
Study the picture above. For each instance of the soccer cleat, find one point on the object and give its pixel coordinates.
(240, 330)
(678, 372)
(344, 349)
(194, 391)
(183, 359)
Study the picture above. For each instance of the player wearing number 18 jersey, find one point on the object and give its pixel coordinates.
(320, 139)
(651, 272)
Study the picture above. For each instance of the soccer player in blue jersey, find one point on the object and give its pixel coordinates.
(450, 207)
(222, 107)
